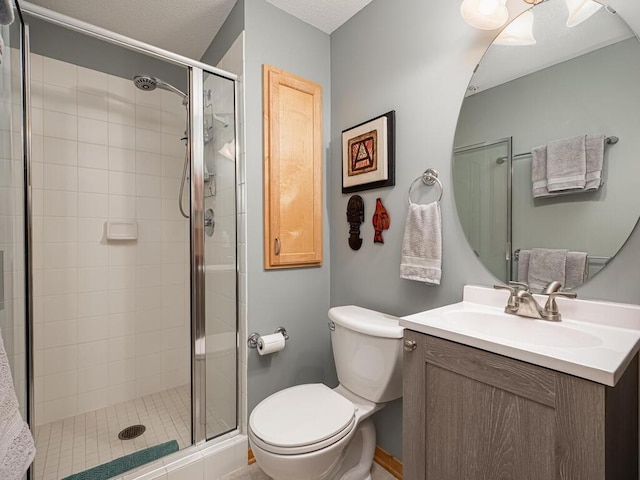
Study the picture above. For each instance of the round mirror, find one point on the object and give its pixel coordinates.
(545, 164)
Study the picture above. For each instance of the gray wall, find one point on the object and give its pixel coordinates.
(417, 57)
(230, 30)
(297, 299)
(53, 41)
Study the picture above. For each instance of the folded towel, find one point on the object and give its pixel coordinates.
(523, 266)
(17, 448)
(422, 244)
(576, 269)
(594, 151)
(546, 265)
(6, 12)
(539, 171)
(566, 164)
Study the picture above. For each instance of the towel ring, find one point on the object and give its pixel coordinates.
(429, 177)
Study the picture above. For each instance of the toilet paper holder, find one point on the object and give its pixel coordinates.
(252, 341)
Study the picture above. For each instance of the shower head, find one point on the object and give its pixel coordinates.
(149, 83)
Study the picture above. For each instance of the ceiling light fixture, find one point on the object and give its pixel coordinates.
(519, 32)
(580, 10)
(485, 14)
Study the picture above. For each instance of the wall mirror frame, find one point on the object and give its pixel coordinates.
(574, 82)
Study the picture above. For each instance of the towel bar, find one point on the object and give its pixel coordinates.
(429, 177)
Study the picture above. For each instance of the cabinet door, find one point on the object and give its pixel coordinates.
(292, 170)
(474, 415)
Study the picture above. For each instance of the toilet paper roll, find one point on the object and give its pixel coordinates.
(270, 343)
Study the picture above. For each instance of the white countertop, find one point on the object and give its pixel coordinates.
(594, 340)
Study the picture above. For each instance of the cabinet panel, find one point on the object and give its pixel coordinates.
(476, 415)
(292, 170)
(477, 431)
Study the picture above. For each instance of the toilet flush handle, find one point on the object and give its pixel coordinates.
(332, 326)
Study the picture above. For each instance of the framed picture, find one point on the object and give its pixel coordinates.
(368, 154)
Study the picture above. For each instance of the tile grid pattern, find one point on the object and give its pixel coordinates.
(84, 441)
(111, 318)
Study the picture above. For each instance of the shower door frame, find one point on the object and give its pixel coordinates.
(509, 159)
(196, 154)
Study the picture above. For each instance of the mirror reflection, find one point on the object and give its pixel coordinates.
(545, 162)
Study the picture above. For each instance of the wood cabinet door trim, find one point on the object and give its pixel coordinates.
(287, 97)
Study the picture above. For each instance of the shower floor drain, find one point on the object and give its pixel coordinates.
(132, 432)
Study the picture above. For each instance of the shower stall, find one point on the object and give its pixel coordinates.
(119, 299)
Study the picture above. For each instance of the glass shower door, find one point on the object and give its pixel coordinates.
(12, 219)
(482, 177)
(220, 254)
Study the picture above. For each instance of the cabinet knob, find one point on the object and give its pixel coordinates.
(277, 246)
(410, 345)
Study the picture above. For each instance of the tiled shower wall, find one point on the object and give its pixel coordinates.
(111, 317)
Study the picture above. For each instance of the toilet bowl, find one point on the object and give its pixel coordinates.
(313, 432)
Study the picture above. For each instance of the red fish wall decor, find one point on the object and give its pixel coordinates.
(381, 221)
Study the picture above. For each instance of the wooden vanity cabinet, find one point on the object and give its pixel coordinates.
(470, 414)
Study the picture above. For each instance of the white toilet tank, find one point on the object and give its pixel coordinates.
(367, 348)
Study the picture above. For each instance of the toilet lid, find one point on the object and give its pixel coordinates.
(301, 415)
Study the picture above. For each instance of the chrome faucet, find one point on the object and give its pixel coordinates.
(522, 303)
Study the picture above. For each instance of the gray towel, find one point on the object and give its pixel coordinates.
(546, 265)
(6, 12)
(594, 150)
(422, 244)
(523, 266)
(566, 164)
(539, 171)
(576, 269)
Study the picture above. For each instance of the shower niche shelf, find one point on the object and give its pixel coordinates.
(121, 230)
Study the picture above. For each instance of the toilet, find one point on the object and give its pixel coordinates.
(313, 432)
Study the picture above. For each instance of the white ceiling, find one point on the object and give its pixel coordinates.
(187, 27)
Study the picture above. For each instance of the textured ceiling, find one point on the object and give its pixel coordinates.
(326, 15)
(187, 27)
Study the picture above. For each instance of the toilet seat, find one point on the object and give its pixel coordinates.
(301, 419)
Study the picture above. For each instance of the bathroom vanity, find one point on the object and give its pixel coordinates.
(489, 395)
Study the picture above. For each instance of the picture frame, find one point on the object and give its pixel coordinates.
(368, 154)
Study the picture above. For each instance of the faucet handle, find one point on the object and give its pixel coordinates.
(551, 307)
(519, 285)
(512, 303)
(551, 287)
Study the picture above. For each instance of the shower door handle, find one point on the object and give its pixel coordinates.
(1, 280)
(277, 246)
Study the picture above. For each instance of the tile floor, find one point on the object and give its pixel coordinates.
(253, 472)
(78, 443)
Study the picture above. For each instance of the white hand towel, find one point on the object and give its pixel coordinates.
(539, 171)
(594, 150)
(566, 164)
(546, 265)
(17, 449)
(422, 244)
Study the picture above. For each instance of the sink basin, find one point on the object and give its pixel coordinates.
(521, 330)
(595, 340)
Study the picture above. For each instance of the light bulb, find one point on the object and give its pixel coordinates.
(519, 32)
(485, 14)
(580, 10)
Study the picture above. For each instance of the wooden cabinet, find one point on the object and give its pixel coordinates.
(292, 170)
(470, 414)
